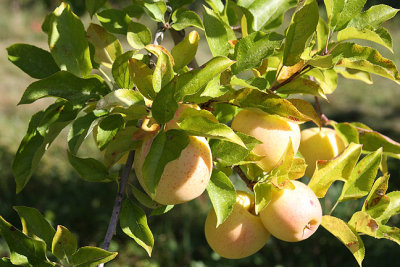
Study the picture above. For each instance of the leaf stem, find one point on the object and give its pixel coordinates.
(242, 175)
(118, 203)
(291, 78)
(334, 206)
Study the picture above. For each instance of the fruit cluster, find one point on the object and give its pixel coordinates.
(293, 213)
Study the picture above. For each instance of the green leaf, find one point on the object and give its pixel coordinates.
(263, 195)
(108, 128)
(252, 49)
(363, 58)
(350, 10)
(66, 85)
(339, 168)
(322, 34)
(263, 12)
(377, 202)
(35, 225)
(175, 4)
(302, 86)
(134, 224)
(32, 60)
(64, 243)
(23, 249)
(161, 210)
(43, 128)
(92, 6)
(166, 147)
(297, 169)
(144, 199)
(229, 153)
(303, 25)
(6, 262)
(200, 125)
(380, 36)
(392, 209)
(163, 72)
(222, 194)
(107, 46)
(192, 81)
(120, 70)
(327, 79)
(354, 74)
(91, 257)
(347, 132)
(141, 76)
(114, 20)
(165, 104)
(362, 177)
(138, 35)
(68, 43)
(89, 169)
(216, 5)
(183, 18)
(120, 146)
(372, 140)
(373, 17)
(124, 98)
(185, 51)
(80, 128)
(321, 62)
(346, 234)
(155, 9)
(218, 33)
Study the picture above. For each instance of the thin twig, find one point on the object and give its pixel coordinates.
(250, 184)
(334, 206)
(291, 78)
(118, 203)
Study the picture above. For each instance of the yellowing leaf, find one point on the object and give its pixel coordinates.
(346, 235)
(339, 168)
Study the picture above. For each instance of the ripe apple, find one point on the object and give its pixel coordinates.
(173, 123)
(316, 144)
(183, 179)
(273, 131)
(241, 234)
(292, 215)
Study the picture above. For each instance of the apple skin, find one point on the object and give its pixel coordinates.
(274, 133)
(183, 179)
(241, 234)
(316, 144)
(292, 215)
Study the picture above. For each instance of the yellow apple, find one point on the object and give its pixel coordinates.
(292, 215)
(241, 234)
(173, 123)
(319, 144)
(273, 131)
(183, 179)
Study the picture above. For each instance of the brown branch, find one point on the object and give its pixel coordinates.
(291, 78)
(322, 116)
(118, 202)
(250, 184)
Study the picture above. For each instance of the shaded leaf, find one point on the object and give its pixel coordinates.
(32, 60)
(354, 74)
(141, 76)
(108, 128)
(163, 72)
(67, 41)
(144, 199)
(120, 70)
(222, 194)
(91, 257)
(92, 6)
(64, 243)
(133, 222)
(183, 18)
(89, 169)
(138, 35)
(302, 86)
(114, 20)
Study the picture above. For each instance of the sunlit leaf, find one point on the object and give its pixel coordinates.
(185, 51)
(377, 201)
(138, 35)
(263, 195)
(380, 36)
(141, 76)
(183, 18)
(64, 243)
(120, 71)
(91, 257)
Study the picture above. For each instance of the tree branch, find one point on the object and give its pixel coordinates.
(118, 203)
(291, 78)
(250, 184)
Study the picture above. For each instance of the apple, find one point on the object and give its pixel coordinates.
(241, 234)
(173, 123)
(292, 215)
(184, 178)
(273, 131)
(319, 144)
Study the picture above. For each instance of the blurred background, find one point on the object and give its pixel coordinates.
(84, 208)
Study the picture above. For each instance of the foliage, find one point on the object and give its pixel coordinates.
(99, 89)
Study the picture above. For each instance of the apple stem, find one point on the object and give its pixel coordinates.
(118, 202)
(250, 184)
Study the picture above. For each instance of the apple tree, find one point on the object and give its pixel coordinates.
(182, 129)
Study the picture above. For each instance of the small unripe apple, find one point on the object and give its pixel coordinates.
(184, 178)
(319, 144)
(292, 215)
(273, 131)
(241, 234)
